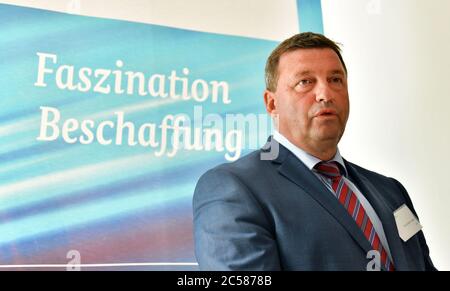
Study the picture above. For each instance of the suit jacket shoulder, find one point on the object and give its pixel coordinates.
(256, 214)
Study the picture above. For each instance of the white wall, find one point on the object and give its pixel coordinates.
(397, 53)
(267, 19)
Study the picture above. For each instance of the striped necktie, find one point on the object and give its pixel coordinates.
(353, 206)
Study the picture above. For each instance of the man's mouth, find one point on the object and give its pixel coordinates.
(325, 112)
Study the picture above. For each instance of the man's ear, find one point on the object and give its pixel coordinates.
(270, 101)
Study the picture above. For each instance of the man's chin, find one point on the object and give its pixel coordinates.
(331, 137)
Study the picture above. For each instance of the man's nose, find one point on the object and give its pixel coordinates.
(323, 92)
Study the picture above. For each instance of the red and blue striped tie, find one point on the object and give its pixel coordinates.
(350, 201)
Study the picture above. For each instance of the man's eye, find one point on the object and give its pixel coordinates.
(336, 80)
(304, 82)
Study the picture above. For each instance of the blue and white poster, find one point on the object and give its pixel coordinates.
(106, 126)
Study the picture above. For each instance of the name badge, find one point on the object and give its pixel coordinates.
(407, 224)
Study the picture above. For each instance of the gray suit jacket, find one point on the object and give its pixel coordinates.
(256, 214)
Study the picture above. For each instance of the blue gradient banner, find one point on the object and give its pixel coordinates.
(310, 16)
(105, 127)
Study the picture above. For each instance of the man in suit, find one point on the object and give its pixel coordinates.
(306, 208)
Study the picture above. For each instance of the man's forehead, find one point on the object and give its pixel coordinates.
(310, 61)
(306, 72)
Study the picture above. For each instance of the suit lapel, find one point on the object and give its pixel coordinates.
(294, 170)
(385, 213)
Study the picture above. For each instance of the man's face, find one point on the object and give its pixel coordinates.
(311, 99)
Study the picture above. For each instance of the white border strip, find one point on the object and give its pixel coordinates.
(231, 17)
(96, 265)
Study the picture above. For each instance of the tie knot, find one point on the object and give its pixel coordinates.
(328, 169)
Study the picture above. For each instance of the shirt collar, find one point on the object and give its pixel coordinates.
(309, 160)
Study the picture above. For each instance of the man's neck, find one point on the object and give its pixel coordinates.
(309, 160)
(324, 150)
